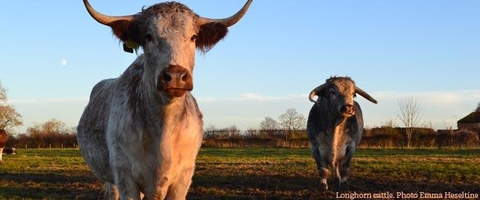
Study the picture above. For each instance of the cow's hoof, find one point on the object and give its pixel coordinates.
(323, 187)
(343, 187)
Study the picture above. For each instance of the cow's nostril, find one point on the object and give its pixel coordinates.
(185, 77)
(175, 77)
(167, 77)
(346, 109)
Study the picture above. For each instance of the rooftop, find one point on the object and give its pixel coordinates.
(473, 117)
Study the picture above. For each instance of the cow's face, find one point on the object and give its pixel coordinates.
(337, 94)
(340, 94)
(168, 33)
(168, 39)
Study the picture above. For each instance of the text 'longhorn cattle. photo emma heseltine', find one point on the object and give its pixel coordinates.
(140, 133)
(335, 127)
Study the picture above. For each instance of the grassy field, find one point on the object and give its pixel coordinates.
(273, 173)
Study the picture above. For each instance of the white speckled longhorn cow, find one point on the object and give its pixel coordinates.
(140, 133)
(335, 127)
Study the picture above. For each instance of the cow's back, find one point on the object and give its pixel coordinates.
(91, 130)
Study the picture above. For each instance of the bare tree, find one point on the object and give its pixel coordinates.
(52, 133)
(269, 127)
(292, 121)
(268, 124)
(210, 132)
(251, 132)
(233, 132)
(52, 126)
(410, 114)
(9, 117)
(3, 94)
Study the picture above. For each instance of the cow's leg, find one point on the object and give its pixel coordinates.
(111, 192)
(158, 190)
(322, 167)
(343, 169)
(180, 189)
(1, 152)
(127, 187)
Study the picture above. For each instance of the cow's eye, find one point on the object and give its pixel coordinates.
(148, 37)
(332, 91)
(193, 38)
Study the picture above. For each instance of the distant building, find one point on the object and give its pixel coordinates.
(470, 122)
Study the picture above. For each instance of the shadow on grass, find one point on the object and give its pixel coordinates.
(256, 187)
(300, 187)
(49, 186)
(228, 182)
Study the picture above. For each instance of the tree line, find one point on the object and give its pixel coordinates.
(384, 137)
(51, 134)
(287, 131)
(55, 134)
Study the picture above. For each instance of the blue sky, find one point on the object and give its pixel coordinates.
(268, 62)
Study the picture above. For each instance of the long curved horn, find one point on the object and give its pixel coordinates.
(365, 95)
(315, 91)
(104, 19)
(230, 20)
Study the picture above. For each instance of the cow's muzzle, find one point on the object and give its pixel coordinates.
(175, 81)
(346, 110)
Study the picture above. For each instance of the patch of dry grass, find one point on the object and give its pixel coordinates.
(255, 173)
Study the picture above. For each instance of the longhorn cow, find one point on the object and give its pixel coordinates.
(140, 133)
(335, 127)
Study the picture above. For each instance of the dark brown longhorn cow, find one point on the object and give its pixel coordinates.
(335, 127)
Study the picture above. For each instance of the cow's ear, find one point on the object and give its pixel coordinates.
(127, 32)
(120, 29)
(209, 34)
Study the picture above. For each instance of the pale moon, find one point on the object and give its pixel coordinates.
(64, 62)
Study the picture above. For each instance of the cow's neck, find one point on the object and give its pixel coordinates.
(171, 111)
(328, 119)
(154, 107)
(175, 110)
(166, 118)
(340, 126)
(339, 137)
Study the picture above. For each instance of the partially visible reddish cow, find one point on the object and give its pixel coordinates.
(3, 142)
